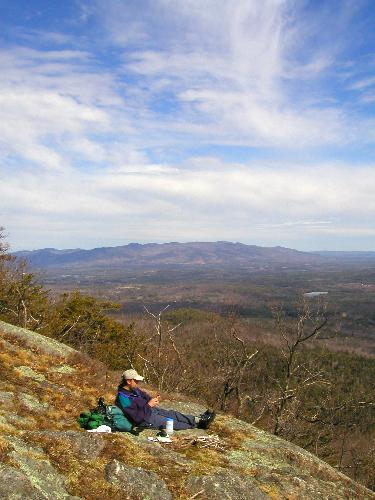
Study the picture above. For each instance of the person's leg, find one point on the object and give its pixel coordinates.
(180, 420)
(154, 421)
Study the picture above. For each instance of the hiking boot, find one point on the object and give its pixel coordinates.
(205, 414)
(206, 419)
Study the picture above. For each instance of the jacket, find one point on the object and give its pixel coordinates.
(134, 404)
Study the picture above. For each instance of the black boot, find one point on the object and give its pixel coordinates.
(206, 419)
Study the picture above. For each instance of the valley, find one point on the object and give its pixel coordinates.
(249, 290)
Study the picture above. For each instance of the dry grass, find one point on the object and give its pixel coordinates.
(5, 449)
(233, 439)
(123, 448)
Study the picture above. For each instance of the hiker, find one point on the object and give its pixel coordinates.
(143, 410)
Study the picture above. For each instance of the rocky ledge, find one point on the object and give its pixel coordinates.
(44, 385)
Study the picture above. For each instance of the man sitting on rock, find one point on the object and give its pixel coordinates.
(143, 410)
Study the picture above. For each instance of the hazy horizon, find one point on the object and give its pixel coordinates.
(179, 242)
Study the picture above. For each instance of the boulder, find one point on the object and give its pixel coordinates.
(250, 463)
(42, 476)
(136, 482)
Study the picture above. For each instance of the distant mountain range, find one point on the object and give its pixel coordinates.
(220, 253)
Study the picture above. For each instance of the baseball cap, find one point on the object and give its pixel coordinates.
(132, 375)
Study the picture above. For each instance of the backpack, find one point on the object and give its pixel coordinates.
(90, 420)
(105, 414)
(117, 420)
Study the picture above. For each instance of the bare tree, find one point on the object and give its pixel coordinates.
(162, 356)
(298, 374)
(233, 360)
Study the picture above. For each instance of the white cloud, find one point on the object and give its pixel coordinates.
(363, 83)
(53, 107)
(220, 73)
(235, 72)
(256, 203)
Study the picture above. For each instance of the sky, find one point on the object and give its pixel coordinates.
(187, 120)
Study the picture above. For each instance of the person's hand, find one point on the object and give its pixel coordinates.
(154, 401)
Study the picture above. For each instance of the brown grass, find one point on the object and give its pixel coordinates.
(233, 439)
(5, 449)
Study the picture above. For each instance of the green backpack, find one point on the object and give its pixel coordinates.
(91, 420)
(103, 414)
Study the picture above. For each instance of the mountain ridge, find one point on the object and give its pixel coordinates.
(173, 253)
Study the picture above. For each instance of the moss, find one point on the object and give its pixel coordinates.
(124, 449)
(6, 428)
(7, 359)
(32, 403)
(22, 423)
(63, 369)
(233, 438)
(175, 479)
(86, 477)
(205, 461)
(89, 483)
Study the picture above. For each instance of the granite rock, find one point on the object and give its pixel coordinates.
(225, 485)
(137, 482)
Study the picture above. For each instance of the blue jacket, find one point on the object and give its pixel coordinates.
(134, 404)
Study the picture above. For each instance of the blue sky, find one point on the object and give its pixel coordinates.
(133, 120)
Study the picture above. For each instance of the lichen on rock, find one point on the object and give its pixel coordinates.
(26, 371)
(32, 403)
(137, 482)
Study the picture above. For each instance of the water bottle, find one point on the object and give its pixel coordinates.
(169, 426)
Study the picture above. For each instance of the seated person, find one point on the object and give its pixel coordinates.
(143, 410)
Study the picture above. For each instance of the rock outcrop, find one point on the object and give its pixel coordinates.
(44, 385)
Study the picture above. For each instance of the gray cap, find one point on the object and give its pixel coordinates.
(132, 375)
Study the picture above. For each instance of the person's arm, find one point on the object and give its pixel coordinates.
(144, 395)
(136, 409)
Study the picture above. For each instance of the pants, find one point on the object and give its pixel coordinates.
(158, 417)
